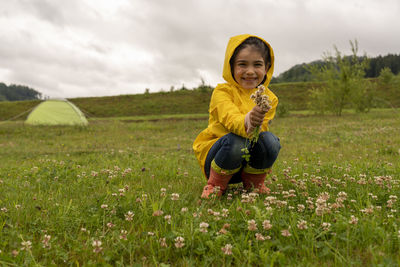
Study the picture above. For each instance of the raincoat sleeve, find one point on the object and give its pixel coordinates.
(226, 113)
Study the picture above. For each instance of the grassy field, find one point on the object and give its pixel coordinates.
(126, 192)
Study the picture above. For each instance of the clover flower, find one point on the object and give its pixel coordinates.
(252, 225)
(174, 196)
(302, 225)
(163, 242)
(45, 241)
(163, 192)
(203, 227)
(245, 198)
(168, 218)
(26, 245)
(158, 213)
(217, 215)
(286, 233)
(224, 228)
(326, 226)
(322, 207)
(227, 249)
(300, 207)
(129, 216)
(353, 219)
(260, 237)
(391, 201)
(368, 210)
(179, 242)
(225, 212)
(253, 196)
(97, 246)
(261, 99)
(123, 235)
(184, 209)
(373, 196)
(267, 225)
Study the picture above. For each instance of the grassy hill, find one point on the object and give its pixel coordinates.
(293, 96)
(19, 109)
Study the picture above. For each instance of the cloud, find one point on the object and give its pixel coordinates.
(99, 47)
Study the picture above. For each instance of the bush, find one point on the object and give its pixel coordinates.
(385, 76)
(282, 110)
(345, 85)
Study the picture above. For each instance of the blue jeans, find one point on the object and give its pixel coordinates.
(228, 155)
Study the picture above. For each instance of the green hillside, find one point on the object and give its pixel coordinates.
(293, 96)
(301, 73)
(178, 102)
(19, 109)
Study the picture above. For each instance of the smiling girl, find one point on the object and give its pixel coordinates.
(233, 116)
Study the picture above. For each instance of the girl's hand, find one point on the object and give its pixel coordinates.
(254, 118)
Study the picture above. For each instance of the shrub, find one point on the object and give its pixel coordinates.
(345, 85)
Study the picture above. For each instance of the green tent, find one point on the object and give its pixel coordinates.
(56, 112)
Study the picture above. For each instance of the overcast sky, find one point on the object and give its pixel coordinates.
(79, 48)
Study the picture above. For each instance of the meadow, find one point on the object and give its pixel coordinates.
(127, 192)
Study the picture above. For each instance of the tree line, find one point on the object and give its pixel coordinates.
(15, 92)
(302, 73)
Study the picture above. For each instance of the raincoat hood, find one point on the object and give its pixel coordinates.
(233, 43)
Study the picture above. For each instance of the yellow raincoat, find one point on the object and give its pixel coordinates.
(229, 105)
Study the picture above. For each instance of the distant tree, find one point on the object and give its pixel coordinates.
(344, 81)
(203, 87)
(183, 88)
(18, 92)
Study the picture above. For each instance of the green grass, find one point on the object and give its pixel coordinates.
(55, 181)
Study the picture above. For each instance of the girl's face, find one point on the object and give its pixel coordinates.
(249, 68)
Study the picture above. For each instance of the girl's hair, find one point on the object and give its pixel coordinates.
(256, 43)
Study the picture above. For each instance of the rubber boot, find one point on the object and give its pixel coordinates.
(255, 181)
(215, 182)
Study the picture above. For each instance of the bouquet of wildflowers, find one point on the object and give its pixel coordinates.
(263, 102)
